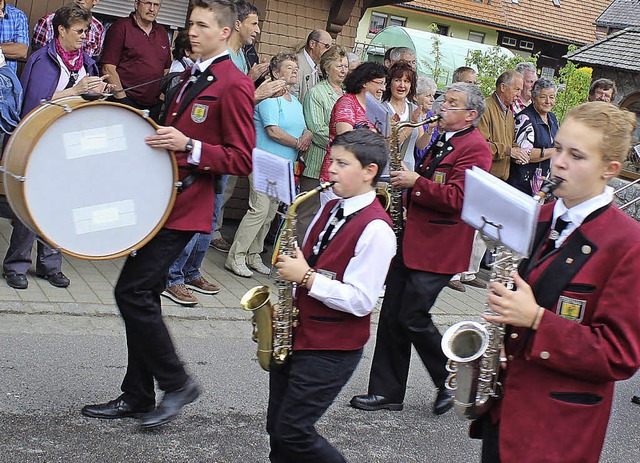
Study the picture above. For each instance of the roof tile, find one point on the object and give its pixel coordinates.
(572, 22)
(620, 51)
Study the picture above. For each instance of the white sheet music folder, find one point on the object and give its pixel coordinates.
(503, 213)
(273, 176)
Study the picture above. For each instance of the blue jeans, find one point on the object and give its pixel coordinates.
(187, 265)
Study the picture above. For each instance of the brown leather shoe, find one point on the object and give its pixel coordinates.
(201, 285)
(220, 244)
(180, 294)
(455, 284)
(476, 283)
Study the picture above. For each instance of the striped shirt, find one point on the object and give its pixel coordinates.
(317, 106)
(14, 28)
(43, 32)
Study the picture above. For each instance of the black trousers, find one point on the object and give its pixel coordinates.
(405, 320)
(150, 350)
(299, 395)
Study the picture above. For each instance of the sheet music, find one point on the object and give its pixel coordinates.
(378, 115)
(505, 214)
(273, 176)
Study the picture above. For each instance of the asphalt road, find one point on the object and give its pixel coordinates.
(52, 365)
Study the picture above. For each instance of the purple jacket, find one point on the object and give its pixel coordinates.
(40, 76)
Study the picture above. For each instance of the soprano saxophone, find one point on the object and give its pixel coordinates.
(395, 163)
(474, 348)
(273, 324)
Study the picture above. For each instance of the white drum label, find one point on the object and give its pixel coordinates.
(104, 216)
(90, 142)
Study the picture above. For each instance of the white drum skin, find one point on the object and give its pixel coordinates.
(88, 183)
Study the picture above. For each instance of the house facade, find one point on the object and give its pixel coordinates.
(526, 27)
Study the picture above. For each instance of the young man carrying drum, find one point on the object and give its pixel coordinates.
(205, 142)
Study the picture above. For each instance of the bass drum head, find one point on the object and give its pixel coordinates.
(92, 187)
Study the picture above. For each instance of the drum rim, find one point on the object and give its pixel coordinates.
(32, 225)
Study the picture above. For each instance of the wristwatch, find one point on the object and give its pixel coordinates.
(189, 146)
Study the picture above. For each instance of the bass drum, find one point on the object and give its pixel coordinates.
(80, 175)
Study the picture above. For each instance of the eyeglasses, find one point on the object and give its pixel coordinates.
(155, 5)
(80, 31)
(457, 109)
(326, 45)
(382, 83)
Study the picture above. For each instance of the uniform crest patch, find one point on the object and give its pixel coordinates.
(439, 177)
(199, 113)
(571, 309)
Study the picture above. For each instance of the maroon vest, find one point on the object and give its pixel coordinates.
(323, 328)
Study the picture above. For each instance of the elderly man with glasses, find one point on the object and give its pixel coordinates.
(318, 42)
(43, 31)
(137, 50)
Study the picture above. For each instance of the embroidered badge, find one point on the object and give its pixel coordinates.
(439, 177)
(327, 273)
(571, 309)
(199, 113)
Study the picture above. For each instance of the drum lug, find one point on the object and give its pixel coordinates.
(66, 107)
(19, 178)
(133, 252)
(145, 113)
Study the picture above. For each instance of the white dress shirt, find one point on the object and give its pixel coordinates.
(366, 272)
(576, 215)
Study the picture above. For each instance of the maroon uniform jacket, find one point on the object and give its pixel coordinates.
(435, 238)
(323, 328)
(218, 111)
(559, 380)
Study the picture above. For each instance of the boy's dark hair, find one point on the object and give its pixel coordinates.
(224, 10)
(368, 147)
(364, 73)
(244, 9)
(67, 15)
(181, 45)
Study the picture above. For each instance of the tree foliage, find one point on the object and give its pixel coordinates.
(573, 87)
(490, 64)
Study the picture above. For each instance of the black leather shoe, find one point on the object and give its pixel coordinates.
(116, 408)
(372, 402)
(59, 279)
(16, 280)
(636, 399)
(444, 401)
(171, 405)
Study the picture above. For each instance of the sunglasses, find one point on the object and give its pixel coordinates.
(80, 31)
(326, 45)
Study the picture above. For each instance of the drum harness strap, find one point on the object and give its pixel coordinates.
(190, 179)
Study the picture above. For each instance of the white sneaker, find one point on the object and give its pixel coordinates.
(239, 268)
(257, 265)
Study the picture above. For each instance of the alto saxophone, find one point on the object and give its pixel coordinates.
(474, 348)
(273, 324)
(395, 163)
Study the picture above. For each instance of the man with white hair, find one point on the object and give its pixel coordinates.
(529, 77)
(318, 42)
(43, 31)
(403, 54)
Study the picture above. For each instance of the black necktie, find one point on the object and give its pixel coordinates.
(555, 234)
(323, 240)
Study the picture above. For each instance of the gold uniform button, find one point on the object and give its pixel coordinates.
(514, 335)
(586, 249)
(510, 357)
(544, 355)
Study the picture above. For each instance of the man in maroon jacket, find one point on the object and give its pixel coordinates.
(438, 246)
(210, 129)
